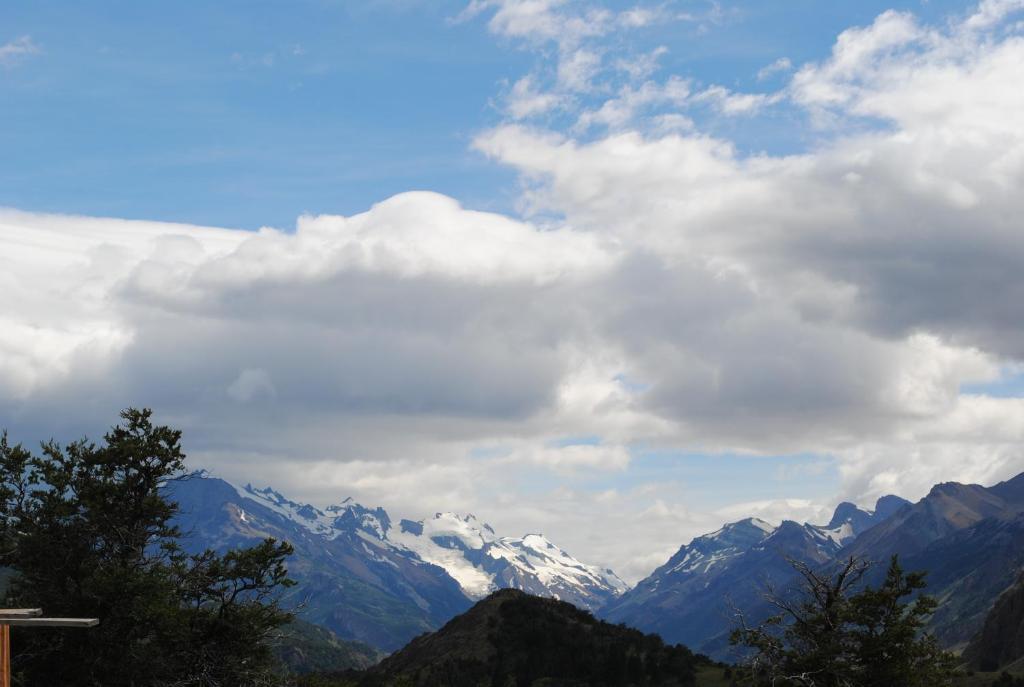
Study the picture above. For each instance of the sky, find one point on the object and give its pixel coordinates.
(614, 272)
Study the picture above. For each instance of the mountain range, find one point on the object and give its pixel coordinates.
(693, 598)
(969, 538)
(369, 579)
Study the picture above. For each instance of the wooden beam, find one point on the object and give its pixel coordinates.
(20, 612)
(51, 622)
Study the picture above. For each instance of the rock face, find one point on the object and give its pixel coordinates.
(514, 638)
(693, 598)
(368, 580)
(1001, 640)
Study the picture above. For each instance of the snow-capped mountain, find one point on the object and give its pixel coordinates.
(349, 580)
(691, 598)
(367, 580)
(849, 521)
(328, 523)
(469, 551)
(707, 554)
(482, 561)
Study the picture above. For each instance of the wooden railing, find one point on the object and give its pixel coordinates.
(28, 617)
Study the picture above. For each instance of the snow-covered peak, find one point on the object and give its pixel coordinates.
(535, 555)
(309, 517)
(354, 516)
(452, 530)
(481, 561)
(538, 541)
(711, 550)
(469, 550)
(839, 534)
(849, 520)
(742, 533)
(348, 516)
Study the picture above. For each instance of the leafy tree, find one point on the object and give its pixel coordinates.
(838, 633)
(88, 532)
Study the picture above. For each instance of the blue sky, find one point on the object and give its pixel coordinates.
(617, 271)
(245, 114)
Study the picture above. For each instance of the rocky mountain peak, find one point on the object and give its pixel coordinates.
(847, 512)
(887, 506)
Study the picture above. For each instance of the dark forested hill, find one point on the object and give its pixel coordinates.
(514, 638)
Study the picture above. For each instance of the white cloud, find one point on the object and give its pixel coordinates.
(642, 66)
(777, 510)
(731, 103)
(561, 21)
(844, 294)
(585, 60)
(621, 111)
(577, 68)
(991, 12)
(525, 101)
(783, 64)
(860, 58)
(643, 16)
(16, 50)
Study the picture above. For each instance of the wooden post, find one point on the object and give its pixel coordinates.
(5, 662)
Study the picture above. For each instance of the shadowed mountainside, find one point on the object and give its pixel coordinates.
(1001, 639)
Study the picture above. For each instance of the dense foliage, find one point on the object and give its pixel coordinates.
(89, 533)
(836, 633)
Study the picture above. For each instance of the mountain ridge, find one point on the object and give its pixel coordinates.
(373, 594)
(967, 537)
(383, 581)
(365, 578)
(693, 597)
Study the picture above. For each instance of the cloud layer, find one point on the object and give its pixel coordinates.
(662, 291)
